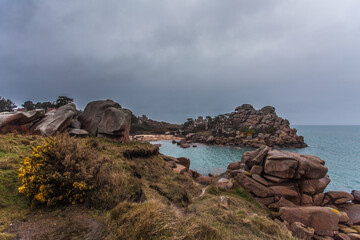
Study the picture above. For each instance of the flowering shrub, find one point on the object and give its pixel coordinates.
(61, 170)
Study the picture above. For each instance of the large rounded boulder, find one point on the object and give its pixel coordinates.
(106, 118)
(324, 220)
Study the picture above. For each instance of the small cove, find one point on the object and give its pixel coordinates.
(339, 146)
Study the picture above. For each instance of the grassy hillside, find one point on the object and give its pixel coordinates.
(135, 196)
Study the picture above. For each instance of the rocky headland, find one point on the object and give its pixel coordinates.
(245, 127)
(292, 186)
(289, 185)
(142, 125)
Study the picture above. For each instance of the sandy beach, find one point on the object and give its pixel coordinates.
(154, 137)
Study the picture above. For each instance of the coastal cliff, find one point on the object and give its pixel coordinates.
(245, 126)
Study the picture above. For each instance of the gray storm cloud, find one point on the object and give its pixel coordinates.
(172, 59)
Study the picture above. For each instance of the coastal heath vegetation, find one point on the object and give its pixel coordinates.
(66, 170)
(61, 170)
(120, 191)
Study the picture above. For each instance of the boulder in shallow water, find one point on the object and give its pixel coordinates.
(337, 197)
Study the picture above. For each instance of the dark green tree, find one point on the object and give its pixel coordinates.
(44, 105)
(188, 122)
(63, 100)
(29, 105)
(6, 105)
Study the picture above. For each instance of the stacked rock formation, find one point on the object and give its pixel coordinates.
(103, 118)
(245, 127)
(56, 121)
(106, 119)
(293, 185)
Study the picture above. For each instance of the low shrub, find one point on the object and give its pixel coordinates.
(248, 131)
(67, 170)
(144, 150)
(61, 170)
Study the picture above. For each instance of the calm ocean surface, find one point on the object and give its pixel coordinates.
(339, 146)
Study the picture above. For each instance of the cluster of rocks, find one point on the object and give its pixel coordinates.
(103, 118)
(292, 185)
(245, 127)
(184, 143)
(181, 166)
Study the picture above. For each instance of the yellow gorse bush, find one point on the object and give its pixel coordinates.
(61, 170)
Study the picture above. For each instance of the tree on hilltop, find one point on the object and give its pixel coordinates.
(63, 100)
(6, 105)
(29, 105)
(44, 105)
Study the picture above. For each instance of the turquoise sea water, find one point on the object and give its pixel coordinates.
(339, 146)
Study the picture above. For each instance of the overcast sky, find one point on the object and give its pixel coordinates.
(173, 59)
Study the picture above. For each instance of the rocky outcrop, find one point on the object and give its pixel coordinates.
(36, 121)
(245, 127)
(19, 121)
(56, 121)
(103, 118)
(294, 185)
(295, 177)
(144, 125)
(323, 220)
(106, 118)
